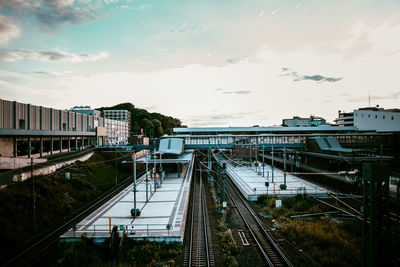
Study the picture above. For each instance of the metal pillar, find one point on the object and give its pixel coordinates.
(60, 144)
(51, 145)
(263, 159)
(209, 165)
(15, 151)
(284, 165)
(29, 147)
(76, 142)
(376, 233)
(272, 167)
(41, 147)
(69, 144)
(134, 183)
(147, 179)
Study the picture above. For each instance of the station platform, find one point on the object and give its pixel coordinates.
(251, 182)
(162, 218)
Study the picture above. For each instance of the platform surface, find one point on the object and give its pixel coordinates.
(165, 208)
(251, 182)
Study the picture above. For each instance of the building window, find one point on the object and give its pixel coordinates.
(369, 115)
(376, 116)
(383, 117)
(21, 124)
(392, 117)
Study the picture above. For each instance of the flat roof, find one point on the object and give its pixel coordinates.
(264, 129)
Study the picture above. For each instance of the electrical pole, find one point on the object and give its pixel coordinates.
(147, 180)
(272, 167)
(33, 193)
(284, 165)
(134, 183)
(263, 159)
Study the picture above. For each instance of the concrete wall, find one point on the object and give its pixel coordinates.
(6, 147)
(14, 163)
(49, 169)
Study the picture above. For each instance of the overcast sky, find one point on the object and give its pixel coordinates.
(209, 63)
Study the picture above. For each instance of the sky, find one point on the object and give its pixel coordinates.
(208, 63)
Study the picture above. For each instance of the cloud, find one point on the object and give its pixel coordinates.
(317, 78)
(8, 31)
(50, 14)
(21, 54)
(52, 73)
(395, 95)
(238, 92)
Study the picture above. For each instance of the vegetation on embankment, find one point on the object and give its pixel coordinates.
(57, 198)
(113, 252)
(323, 240)
(153, 124)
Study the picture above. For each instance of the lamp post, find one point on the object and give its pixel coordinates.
(263, 159)
(147, 180)
(134, 183)
(272, 167)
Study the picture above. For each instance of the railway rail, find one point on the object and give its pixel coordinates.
(270, 251)
(37, 249)
(355, 203)
(200, 251)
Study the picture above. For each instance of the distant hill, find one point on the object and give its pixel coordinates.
(153, 124)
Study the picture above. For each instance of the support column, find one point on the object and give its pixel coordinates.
(60, 144)
(51, 145)
(41, 117)
(41, 147)
(29, 117)
(76, 143)
(29, 147)
(69, 144)
(15, 152)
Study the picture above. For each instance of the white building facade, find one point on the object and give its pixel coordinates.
(118, 126)
(378, 119)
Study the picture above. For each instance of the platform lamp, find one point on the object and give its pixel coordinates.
(133, 211)
(267, 185)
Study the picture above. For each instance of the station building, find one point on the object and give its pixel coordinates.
(371, 119)
(303, 122)
(29, 131)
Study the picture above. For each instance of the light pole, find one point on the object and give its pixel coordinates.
(134, 183)
(147, 180)
(263, 159)
(272, 167)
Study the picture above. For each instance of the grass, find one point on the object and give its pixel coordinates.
(52, 205)
(326, 242)
(113, 252)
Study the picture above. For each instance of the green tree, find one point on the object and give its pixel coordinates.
(148, 127)
(158, 129)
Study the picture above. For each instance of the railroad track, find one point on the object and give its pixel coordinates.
(37, 249)
(355, 204)
(200, 252)
(270, 251)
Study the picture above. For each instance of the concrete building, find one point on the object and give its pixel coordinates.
(377, 119)
(371, 119)
(345, 119)
(34, 131)
(303, 122)
(86, 110)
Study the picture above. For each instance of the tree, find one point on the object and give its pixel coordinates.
(148, 127)
(158, 129)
